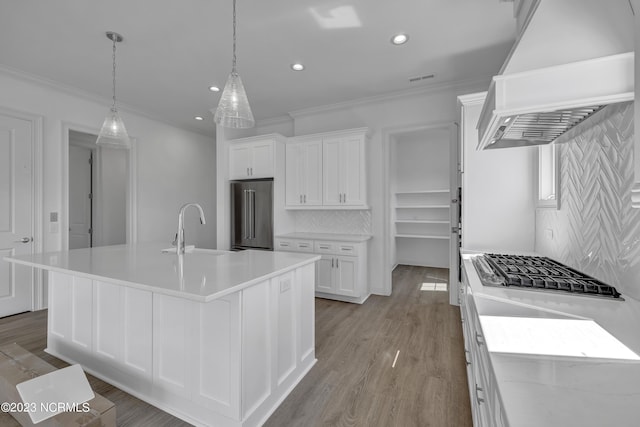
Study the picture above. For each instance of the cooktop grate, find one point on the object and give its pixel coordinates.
(541, 273)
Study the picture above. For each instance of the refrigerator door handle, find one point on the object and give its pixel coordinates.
(252, 218)
(245, 214)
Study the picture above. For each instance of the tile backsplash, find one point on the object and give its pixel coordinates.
(596, 230)
(336, 221)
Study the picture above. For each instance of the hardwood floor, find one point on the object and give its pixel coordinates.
(354, 382)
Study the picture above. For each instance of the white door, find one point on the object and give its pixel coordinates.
(312, 172)
(293, 171)
(324, 274)
(239, 158)
(331, 171)
(261, 165)
(16, 213)
(346, 275)
(351, 170)
(80, 197)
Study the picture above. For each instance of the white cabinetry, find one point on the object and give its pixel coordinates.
(327, 170)
(304, 173)
(251, 158)
(343, 170)
(227, 362)
(486, 405)
(341, 272)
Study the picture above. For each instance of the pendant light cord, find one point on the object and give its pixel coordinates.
(114, 72)
(233, 64)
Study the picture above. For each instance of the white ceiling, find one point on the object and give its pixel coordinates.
(174, 49)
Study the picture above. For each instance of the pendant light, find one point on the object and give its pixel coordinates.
(113, 133)
(233, 110)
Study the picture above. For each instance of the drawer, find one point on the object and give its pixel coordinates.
(336, 248)
(293, 245)
(303, 245)
(323, 247)
(284, 245)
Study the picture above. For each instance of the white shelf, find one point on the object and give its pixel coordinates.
(422, 192)
(422, 207)
(422, 236)
(420, 221)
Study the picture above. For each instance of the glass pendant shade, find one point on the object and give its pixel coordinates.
(233, 109)
(113, 133)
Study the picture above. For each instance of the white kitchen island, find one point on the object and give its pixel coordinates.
(216, 338)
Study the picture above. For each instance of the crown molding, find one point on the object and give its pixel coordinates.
(88, 96)
(470, 84)
(275, 120)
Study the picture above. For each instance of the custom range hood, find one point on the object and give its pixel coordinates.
(572, 58)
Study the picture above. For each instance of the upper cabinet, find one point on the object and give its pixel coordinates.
(344, 171)
(252, 158)
(304, 173)
(327, 170)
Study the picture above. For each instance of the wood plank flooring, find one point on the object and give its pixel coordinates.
(353, 383)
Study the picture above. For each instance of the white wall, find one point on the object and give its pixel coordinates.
(113, 200)
(174, 166)
(497, 192)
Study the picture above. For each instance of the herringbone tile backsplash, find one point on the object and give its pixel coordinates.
(596, 230)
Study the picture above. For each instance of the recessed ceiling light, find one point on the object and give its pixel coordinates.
(199, 118)
(214, 88)
(399, 39)
(297, 67)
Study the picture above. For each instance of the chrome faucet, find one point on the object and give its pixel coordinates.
(179, 240)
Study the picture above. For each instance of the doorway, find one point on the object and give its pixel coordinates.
(20, 209)
(419, 191)
(99, 192)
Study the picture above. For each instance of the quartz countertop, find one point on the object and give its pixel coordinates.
(547, 390)
(326, 236)
(202, 275)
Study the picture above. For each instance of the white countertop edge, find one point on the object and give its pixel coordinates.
(325, 236)
(163, 291)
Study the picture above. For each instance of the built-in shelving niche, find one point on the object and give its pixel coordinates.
(420, 197)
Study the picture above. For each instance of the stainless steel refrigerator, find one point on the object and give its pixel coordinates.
(252, 214)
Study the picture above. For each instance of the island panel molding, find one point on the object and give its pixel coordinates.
(227, 358)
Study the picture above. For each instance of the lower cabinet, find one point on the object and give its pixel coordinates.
(486, 407)
(341, 273)
(228, 362)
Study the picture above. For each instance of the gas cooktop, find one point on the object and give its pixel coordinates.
(538, 273)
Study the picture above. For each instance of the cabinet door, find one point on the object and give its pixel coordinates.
(346, 276)
(261, 164)
(294, 164)
(331, 187)
(239, 159)
(324, 274)
(312, 172)
(352, 171)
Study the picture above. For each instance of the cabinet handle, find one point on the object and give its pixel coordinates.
(337, 263)
(323, 247)
(247, 171)
(465, 357)
(301, 199)
(305, 198)
(251, 169)
(478, 398)
(479, 339)
(332, 260)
